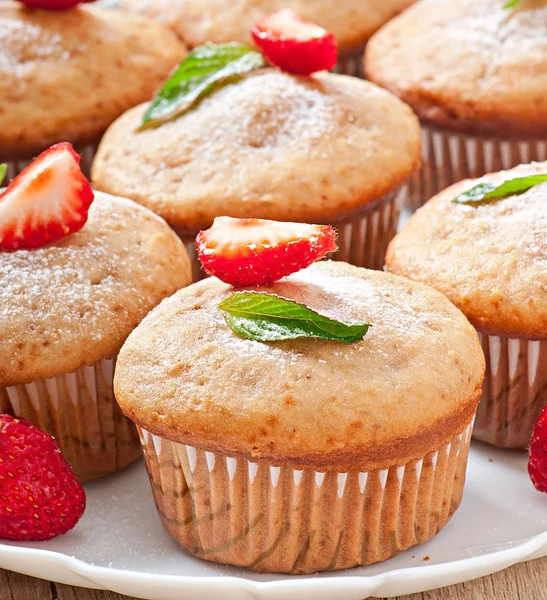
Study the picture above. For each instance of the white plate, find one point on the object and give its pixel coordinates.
(120, 545)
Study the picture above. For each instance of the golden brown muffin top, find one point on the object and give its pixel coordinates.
(411, 385)
(490, 260)
(200, 21)
(66, 75)
(469, 65)
(271, 146)
(75, 301)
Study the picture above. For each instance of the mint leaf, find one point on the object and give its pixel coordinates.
(269, 318)
(205, 69)
(511, 4)
(486, 193)
(3, 171)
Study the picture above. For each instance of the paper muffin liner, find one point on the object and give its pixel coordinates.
(79, 410)
(352, 63)
(87, 153)
(362, 239)
(278, 519)
(514, 390)
(449, 157)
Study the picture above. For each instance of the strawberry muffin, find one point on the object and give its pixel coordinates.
(322, 148)
(340, 396)
(476, 75)
(67, 74)
(200, 21)
(71, 293)
(483, 244)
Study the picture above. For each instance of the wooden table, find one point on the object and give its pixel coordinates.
(527, 581)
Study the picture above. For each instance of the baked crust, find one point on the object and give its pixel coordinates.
(271, 146)
(412, 384)
(468, 66)
(199, 21)
(489, 260)
(66, 75)
(75, 301)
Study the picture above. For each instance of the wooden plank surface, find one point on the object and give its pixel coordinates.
(527, 581)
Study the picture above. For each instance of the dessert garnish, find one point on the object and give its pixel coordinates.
(205, 69)
(511, 4)
(3, 171)
(286, 40)
(40, 497)
(269, 318)
(54, 4)
(257, 252)
(295, 45)
(487, 193)
(47, 201)
(253, 252)
(537, 459)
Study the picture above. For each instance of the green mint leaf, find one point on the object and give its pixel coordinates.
(205, 69)
(269, 318)
(3, 171)
(486, 193)
(511, 4)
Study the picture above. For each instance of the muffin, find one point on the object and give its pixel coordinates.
(476, 74)
(200, 21)
(65, 311)
(364, 445)
(325, 149)
(490, 260)
(67, 75)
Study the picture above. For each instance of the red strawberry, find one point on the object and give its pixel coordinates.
(295, 45)
(54, 4)
(46, 201)
(40, 498)
(252, 252)
(537, 460)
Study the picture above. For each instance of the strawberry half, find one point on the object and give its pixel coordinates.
(295, 45)
(54, 4)
(46, 201)
(253, 252)
(40, 498)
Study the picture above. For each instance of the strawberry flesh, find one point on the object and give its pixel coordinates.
(295, 45)
(537, 460)
(54, 4)
(46, 201)
(40, 498)
(253, 252)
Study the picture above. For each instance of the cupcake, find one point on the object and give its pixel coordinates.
(200, 21)
(68, 302)
(489, 255)
(340, 396)
(67, 75)
(476, 74)
(325, 148)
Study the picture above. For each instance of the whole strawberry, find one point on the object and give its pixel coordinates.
(40, 498)
(54, 4)
(537, 460)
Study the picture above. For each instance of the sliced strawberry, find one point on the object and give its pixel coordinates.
(54, 4)
(252, 252)
(295, 45)
(46, 201)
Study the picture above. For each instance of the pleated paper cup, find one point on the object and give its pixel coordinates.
(514, 391)
(450, 157)
(86, 152)
(79, 410)
(362, 239)
(352, 63)
(278, 519)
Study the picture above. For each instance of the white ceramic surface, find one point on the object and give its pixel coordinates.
(120, 545)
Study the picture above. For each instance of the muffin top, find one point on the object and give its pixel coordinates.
(271, 146)
(490, 260)
(411, 384)
(74, 302)
(468, 66)
(66, 75)
(200, 21)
